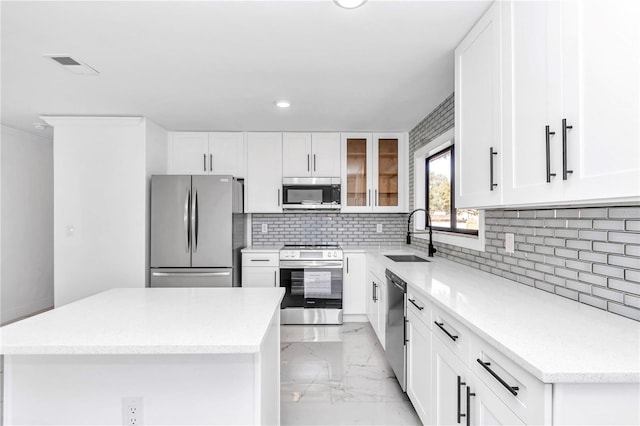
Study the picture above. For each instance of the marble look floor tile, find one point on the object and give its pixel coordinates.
(335, 375)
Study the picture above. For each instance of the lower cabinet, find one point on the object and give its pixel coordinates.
(483, 407)
(419, 365)
(376, 291)
(449, 376)
(260, 269)
(354, 300)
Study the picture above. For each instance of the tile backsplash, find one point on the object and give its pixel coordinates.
(591, 255)
(343, 228)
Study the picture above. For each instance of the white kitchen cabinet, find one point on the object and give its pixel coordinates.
(449, 376)
(376, 305)
(202, 153)
(601, 99)
(374, 172)
(260, 268)
(478, 109)
(264, 173)
(310, 155)
(353, 286)
(419, 363)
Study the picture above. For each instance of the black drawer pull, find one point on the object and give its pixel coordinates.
(491, 154)
(413, 302)
(565, 171)
(548, 134)
(441, 326)
(512, 389)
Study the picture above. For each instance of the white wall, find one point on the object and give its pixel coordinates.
(27, 224)
(100, 205)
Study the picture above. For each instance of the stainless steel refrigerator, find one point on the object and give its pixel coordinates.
(197, 231)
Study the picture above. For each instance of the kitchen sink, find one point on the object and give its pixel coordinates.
(405, 258)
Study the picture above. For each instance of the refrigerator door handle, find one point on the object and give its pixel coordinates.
(187, 202)
(191, 274)
(194, 220)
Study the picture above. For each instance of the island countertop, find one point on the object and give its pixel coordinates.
(150, 321)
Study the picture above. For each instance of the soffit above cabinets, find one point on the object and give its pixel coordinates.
(220, 65)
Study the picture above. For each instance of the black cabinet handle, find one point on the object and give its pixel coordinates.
(491, 154)
(314, 162)
(405, 331)
(512, 389)
(441, 326)
(210, 162)
(460, 384)
(308, 167)
(413, 302)
(548, 135)
(565, 172)
(375, 287)
(204, 162)
(469, 395)
(347, 264)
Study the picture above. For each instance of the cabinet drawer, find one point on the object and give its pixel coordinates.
(260, 259)
(454, 335)
(419, 306)
(503, 376)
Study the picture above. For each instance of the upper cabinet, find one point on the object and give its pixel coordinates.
(264, 173)
(478, 136)
(567, 111)
(374, 172)
(202, 153)
(310, 155)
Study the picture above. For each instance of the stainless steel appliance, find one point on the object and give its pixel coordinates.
(311, 193)
(395, 333)
(197, 231)
(312, 279)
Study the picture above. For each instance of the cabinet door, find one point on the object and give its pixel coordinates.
(325, 160)
(602, 99)
(532, 69)
(353, 290)
(264, 173)
(419, 366)
(226, 153)
(381, 293)
(296, 155)
(188, 152)
(485, 408)
(478, 114)
(388, 173)
(448, 376)
(260, 276)
(356, 172)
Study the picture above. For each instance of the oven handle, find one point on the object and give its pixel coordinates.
(293, 264)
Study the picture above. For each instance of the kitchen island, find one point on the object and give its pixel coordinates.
(187, 356)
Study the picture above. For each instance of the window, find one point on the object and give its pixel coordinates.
(440, 196)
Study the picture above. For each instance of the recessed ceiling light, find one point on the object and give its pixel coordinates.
(282, 103)
(72, 64)
(350, 4)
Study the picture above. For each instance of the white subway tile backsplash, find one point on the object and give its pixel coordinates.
(626, 311)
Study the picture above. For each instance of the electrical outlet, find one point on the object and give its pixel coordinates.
(265, 228)
(509, 245)
(132, 411)
(379, 228)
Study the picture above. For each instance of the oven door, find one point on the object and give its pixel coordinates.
(316, 284)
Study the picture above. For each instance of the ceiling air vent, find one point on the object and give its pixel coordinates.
(73, 65)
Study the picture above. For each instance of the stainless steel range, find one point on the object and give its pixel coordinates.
(312, 278)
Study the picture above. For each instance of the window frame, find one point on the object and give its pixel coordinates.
(452, 213)
(473, 242)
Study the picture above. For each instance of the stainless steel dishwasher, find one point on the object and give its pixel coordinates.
(395, 341)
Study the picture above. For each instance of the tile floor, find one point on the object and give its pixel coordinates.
(338, 375)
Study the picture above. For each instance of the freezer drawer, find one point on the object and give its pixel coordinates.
(192, 277)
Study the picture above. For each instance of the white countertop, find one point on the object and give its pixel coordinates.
(555, 339)
(150, 321)
(257, 249)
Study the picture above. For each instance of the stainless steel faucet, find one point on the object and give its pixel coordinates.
(432, 249)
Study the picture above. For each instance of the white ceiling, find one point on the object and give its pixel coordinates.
(219, 65)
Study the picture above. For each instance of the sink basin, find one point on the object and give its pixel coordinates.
(405, 258)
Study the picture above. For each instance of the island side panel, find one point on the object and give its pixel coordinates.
(88, 389)
(268, 375)
(596, 403)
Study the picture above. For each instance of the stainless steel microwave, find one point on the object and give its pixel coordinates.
(311, 193)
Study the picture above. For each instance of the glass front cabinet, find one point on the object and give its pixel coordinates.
(374, 172)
